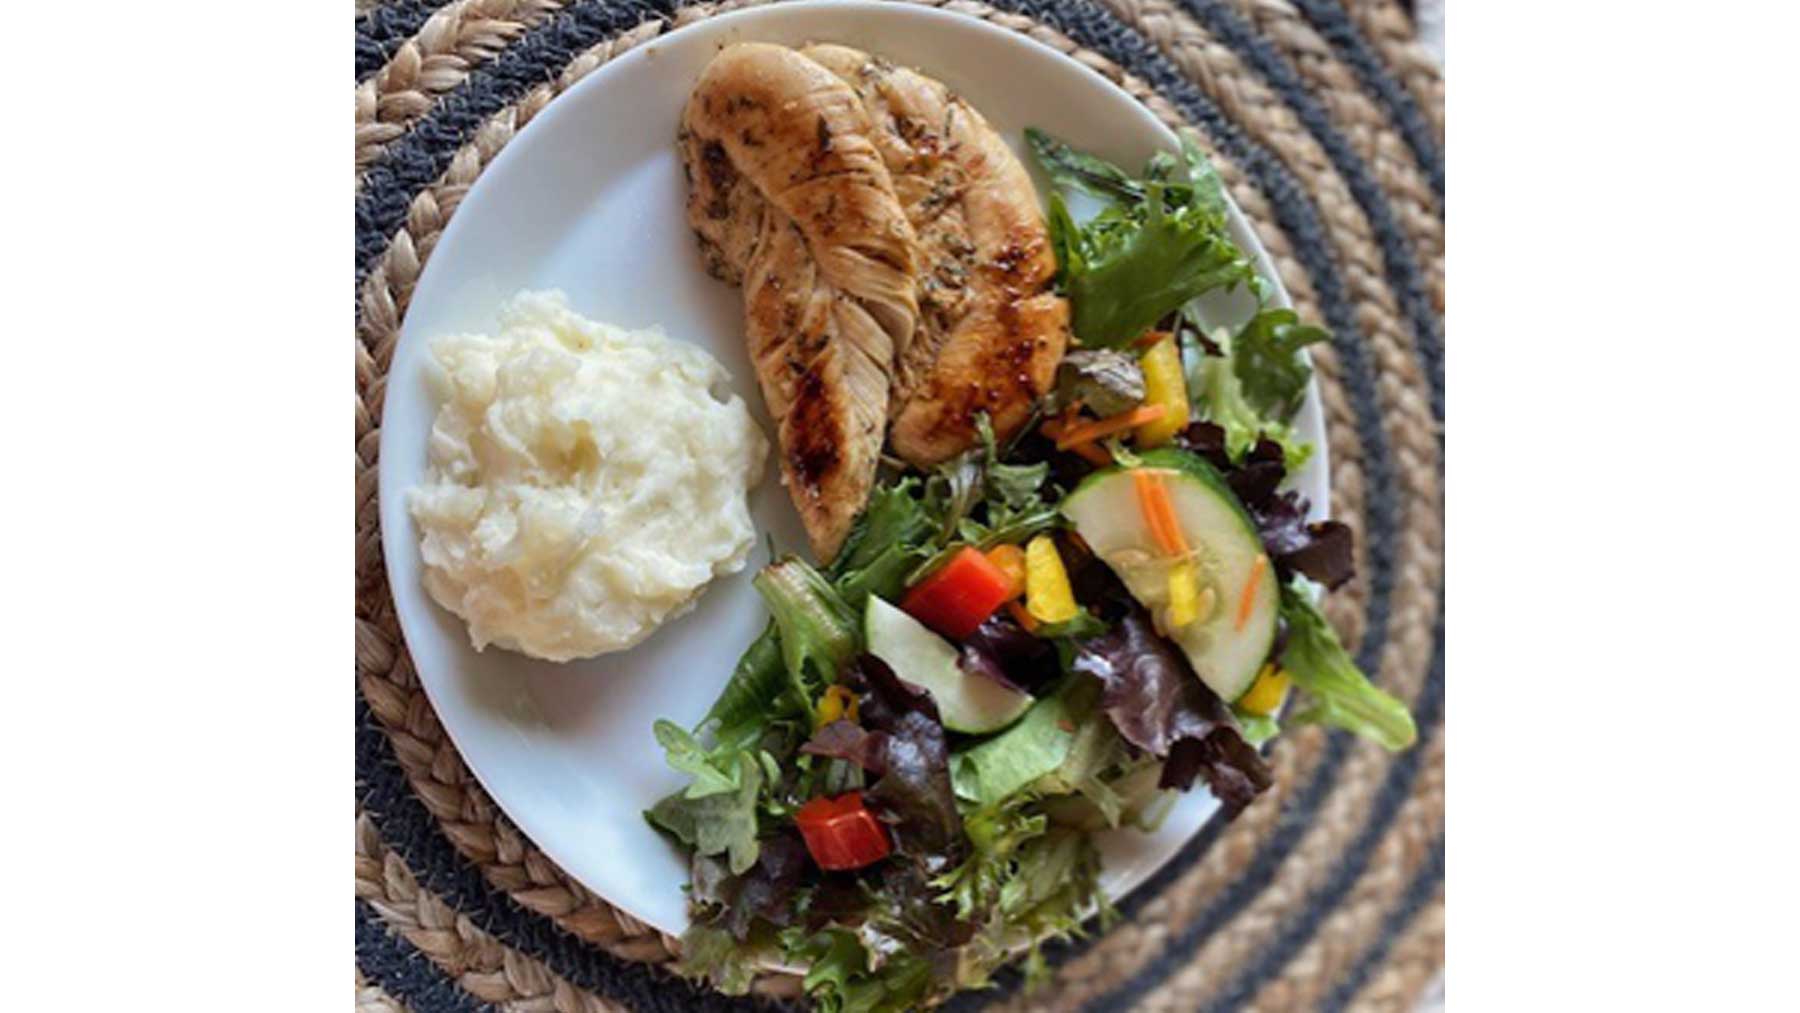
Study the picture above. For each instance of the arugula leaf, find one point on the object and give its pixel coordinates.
(1266, 359)
(1013, 490)
(686, 755)
(884, 545)
(1340, 694)
(1078, 170)
(1019, 529)
(753, 695)
(979, 499)
(892, 515)
(952, 490)
(1080, 626)
(719, 822)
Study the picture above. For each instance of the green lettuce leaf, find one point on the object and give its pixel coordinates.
(1256, 728)
(686, 755)
(713, 955)
(817, 628)
(1013, 491)
(1223, 401)
(997, 833)
(1266, 359)
(1162, 240)
(845, 977)
(887, 541)
(756, 692)
(1339, 694)
(722, 819)
(1055, 883)
(1138, 266)
(995, 769)
(1209, 189)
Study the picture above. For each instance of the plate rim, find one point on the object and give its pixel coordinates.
(391, 540)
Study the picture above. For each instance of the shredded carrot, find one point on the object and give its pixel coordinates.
(1054, 429)
(1249, 597)
(1159, 511)
(1020, 616)
(1178, 545)
(1088, 432)
(1149, 338)
(1095, 456)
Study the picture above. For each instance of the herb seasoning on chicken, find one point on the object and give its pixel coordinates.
(792, 201)
(991, 329)
(895, 264)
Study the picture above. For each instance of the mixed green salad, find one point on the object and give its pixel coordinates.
(900, 786)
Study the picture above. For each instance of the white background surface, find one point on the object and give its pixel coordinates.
(178, 661)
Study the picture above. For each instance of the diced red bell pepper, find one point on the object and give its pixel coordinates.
(841, 833)
(960, 595)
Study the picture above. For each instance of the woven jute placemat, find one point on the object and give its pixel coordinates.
(1327, 123)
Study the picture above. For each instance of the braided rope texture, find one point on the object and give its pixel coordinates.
(1326, 121)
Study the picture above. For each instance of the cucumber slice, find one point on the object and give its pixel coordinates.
(966, 703)
(1225, 548)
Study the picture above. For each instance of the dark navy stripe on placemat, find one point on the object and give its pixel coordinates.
(1333, 23)
(412, 161)
(410, 831)
(405, 974)
(1396, 253)
(384, 29)
(1396, 788)
(1419, 892)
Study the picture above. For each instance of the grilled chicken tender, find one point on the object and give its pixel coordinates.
(991, 330)
(791, 199)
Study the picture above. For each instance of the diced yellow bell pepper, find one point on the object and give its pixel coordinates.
(1184, 595)
(1010, 560)
(1048, 596)
(835, 703)
(1265, 694)
(1164, 384)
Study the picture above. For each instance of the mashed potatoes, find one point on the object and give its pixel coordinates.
(584, 481)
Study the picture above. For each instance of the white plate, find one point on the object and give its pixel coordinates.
(588, 199)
